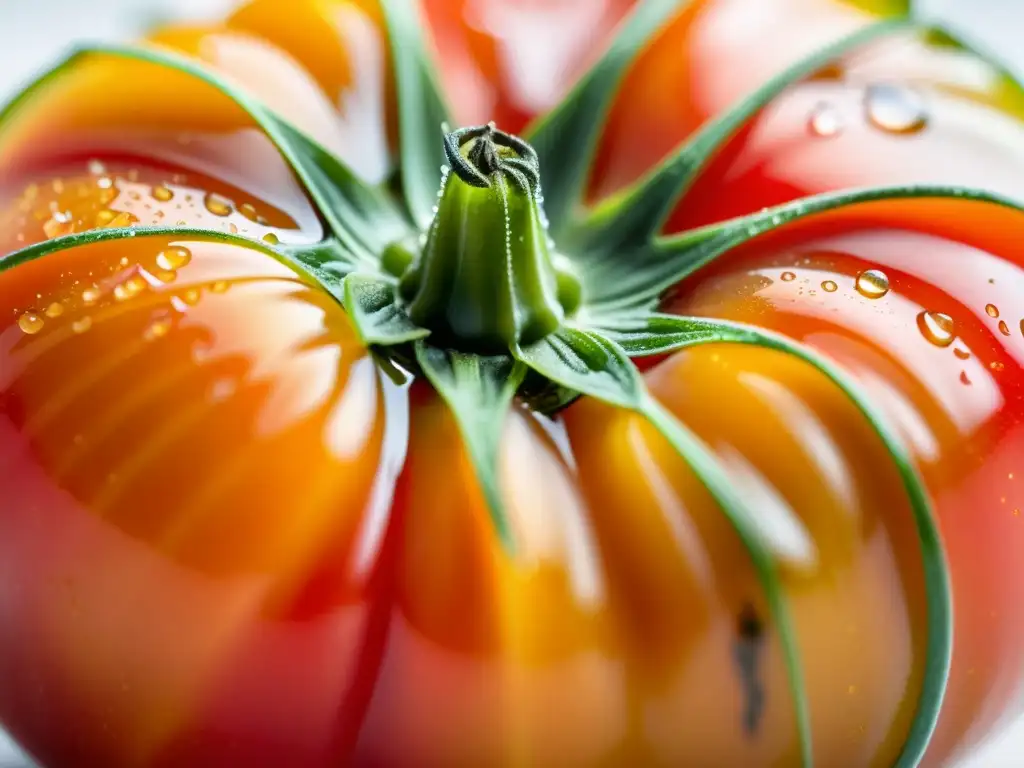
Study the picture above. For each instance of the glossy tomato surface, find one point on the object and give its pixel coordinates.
(229, 536)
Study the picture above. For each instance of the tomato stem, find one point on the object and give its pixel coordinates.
(486, 279)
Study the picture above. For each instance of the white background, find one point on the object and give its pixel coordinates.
(33, 32)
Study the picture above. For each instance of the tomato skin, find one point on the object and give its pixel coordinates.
(328, 610)
(959, 407)
(104, 487)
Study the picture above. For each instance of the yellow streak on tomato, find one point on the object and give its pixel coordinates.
(199, 492)
(495, 657)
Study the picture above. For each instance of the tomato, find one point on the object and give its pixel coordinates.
(231, 535)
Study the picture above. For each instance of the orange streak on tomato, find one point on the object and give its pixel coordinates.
(495, 657)
(143, 116)
(957, 405)
(832, 509)
(185, 470)
(306, 63)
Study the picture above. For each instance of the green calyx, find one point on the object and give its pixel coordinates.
(472, 290)
(485, 280)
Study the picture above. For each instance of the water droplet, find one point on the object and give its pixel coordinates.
(217, 205)
(104, 217)
(221, 286)
(233, 228)
(825, 121)
(788, 277)
(122, 219)
(964, 379)
(57, 225)
(191, 296)
(895, 108)
(271, 238)
(937, 328)
(96, 168)
(1004, 328)
(997, 366)
(166, 275)
(872, 284)
(129, 289)
(31, 323)
(163, 194)
(962, 354)
(90, 295)
(248, 211)
(829, 286)
(56, 309)
(158, 328)
(82, 325)
(992, 310)
(124, 261)
(173, 258)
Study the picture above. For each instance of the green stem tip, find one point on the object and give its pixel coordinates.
(486, 279)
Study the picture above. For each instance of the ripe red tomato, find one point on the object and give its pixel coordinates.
(229, 537)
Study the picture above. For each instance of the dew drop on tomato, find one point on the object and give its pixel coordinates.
(30, 323)
(937, 328)
(217, 205)
(825, 121)
(1004, 328)
(895, 108)
(872, 284)
(829, 286)
(82, 325)
(992, 310)
(172, 259)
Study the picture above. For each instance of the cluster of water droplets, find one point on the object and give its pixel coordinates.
(151, 276)
(890, 107)
(106, 200)
(937, 328)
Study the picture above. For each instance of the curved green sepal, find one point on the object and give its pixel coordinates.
(354, 211)
(633, 217)
(711, 474)
(79, 239)
(649, 334)
(659, 334)
(596, 366)
(422, 111)
(566, 137)
(638, 281)
(366, 211)
(328, 260)
(377, 317)
(479, 391)
(588, 363)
